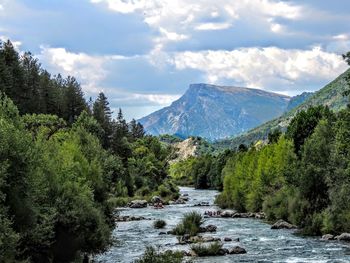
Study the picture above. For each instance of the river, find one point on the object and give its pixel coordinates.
(263, 245)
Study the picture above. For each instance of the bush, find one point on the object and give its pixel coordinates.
(159, 223)
(151, 255)
(213, 249)
(190, 224)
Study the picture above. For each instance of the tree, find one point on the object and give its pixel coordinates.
(304, 123)
(74, 102)
(274, 135)
(136, 129)
(103, 114)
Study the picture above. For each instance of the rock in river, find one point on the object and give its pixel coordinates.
(156, 199)
(281, 224)
(328, 237)
(237, 250)
(138, 204)
(344, 237)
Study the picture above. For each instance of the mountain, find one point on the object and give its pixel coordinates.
(215, 112)
(331, 95)
(297, 100)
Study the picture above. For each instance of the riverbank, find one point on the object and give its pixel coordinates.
(261, 242)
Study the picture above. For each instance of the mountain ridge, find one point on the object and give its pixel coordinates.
(215, 112)
(330, 95)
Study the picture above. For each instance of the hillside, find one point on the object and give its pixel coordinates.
(216, 112)
(331, 95)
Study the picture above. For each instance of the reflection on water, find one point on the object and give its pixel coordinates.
(262, 244)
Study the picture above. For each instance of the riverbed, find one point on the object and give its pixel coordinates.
(263, 244)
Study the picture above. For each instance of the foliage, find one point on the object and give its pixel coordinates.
(151, 255)
(212, 249)
(159, 223)
(190, 224)
(302, 178)
(65, 164)
(203, 172)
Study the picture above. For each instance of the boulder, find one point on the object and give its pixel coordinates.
(180, 201)
(260, 215)
(328, 237)
(129, 218)
(223, 252)
(237, 250)
(227, 239)
(138, 204)
(281, 224)
(162, 233)
(210, 228)
(202, 204)
(210, 239)
(344, 237)
(184, 197)
(156, 199)
(227, 213)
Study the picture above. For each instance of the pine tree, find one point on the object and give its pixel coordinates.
(136, 129)
(103, 114)
(73, 99)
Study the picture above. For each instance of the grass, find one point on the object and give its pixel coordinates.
(212, 249)
(190, 224)
(159, 223)
(151, 255)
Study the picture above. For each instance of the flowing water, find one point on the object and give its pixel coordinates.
(262, 244)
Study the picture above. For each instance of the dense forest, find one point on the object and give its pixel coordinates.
(301, 176)
(65, 163)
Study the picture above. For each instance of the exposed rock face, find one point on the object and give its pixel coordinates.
(281, 224)
(215, 112)
(138, 204)
(237, 250)
(343, 237)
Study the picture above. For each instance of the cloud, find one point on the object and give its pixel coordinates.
(180, 19)
(213, 26)
(86, 68)
(287, 71)
(121, 6)
(139, 99)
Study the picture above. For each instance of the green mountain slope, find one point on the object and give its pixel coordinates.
(331, 95)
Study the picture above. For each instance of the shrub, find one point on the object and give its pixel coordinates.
(151, 255)
(213, 249)
(159, 223)
(190, 224)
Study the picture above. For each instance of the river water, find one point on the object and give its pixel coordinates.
(262, 244)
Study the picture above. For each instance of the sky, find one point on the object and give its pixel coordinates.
(143, 54)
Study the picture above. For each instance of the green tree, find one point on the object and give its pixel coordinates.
(103, 114)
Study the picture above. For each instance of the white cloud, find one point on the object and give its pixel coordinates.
(341, 37)
(172, 36)
(16, 44)
(267, 68)
(87, 69)
(213, 26)
(123, 6)
(159, 99)
(177, 19)
(141, 99)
